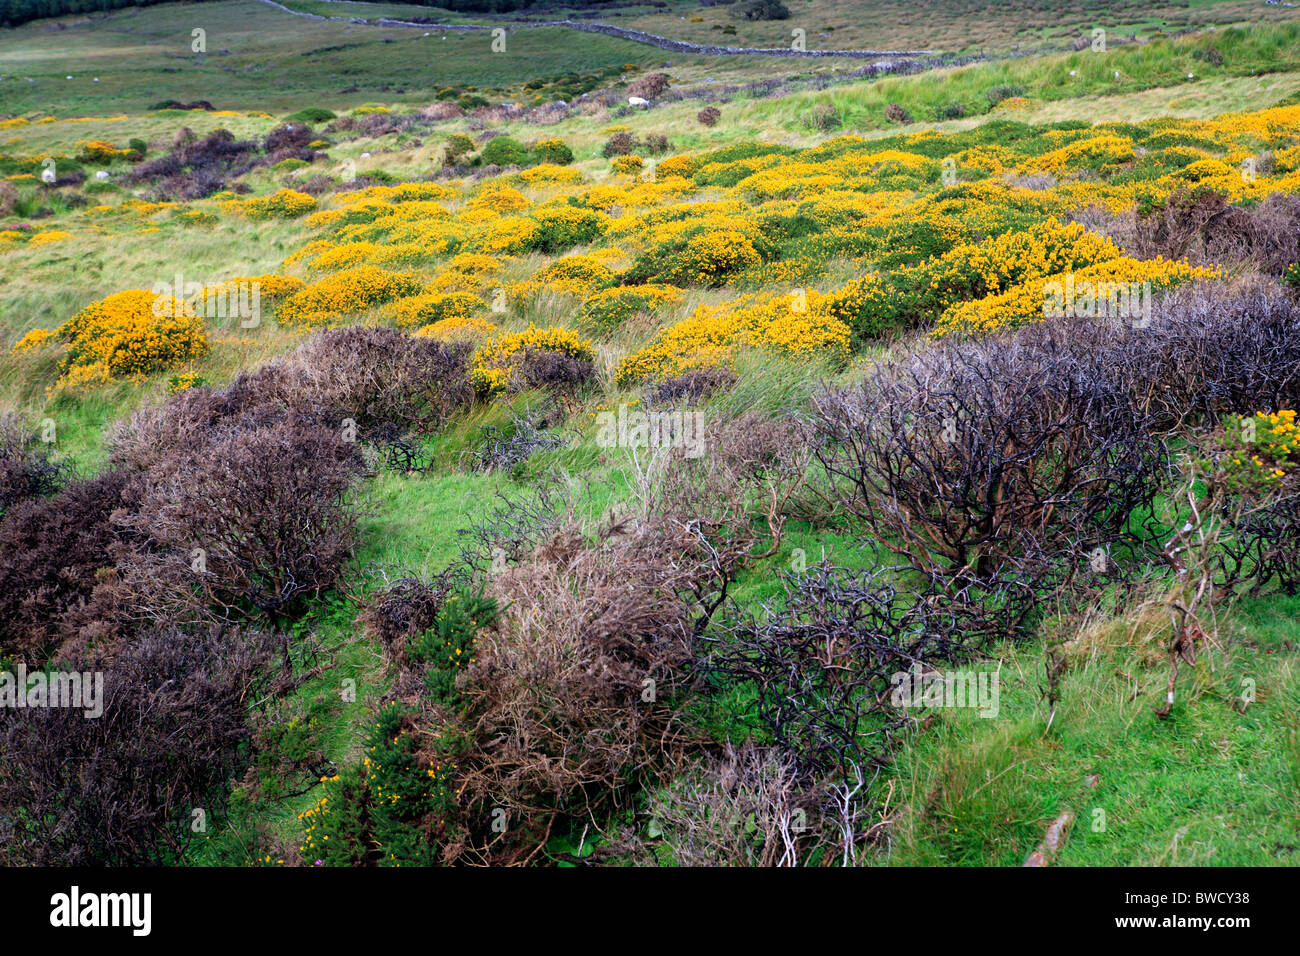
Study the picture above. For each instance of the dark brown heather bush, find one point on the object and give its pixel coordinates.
(650, 86)
(689, 388)
(709, 116)
(1201, 226)
(251, 520)
(620, 144)
(896, 114)
(53, 552)
(375, 376)
(550, 370)
(120, 789)
(26, 470)
(1209, 348)
(403, 610)
(380, 375)
(1006, 459)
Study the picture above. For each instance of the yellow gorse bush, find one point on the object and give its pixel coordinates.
(432, 307)
(281, 204)
(495, 362)
(1118, 287)
(349, 292)
(800, 325)
(125, 335)
(33, 339)
(459, 328)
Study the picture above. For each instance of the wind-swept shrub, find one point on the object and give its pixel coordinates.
(990, 461)
(120, 789)
(256, 518)
(1208, 349)
(572, 694)
(53, 554)
(26, 468)
(1200, 225)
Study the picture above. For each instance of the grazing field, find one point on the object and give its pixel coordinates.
(446, 460)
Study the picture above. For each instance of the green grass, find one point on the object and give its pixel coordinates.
(1208, 786)
(262, 58)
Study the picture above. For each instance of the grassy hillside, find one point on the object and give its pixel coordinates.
(444, 575)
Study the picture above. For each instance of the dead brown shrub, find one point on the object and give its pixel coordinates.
(1202, 227)
(573, 694)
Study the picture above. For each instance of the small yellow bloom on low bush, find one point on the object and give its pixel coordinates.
(494, 364)
(1262, 449)
(183, 381)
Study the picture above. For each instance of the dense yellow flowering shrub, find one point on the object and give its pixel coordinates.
(1120, 287)
(458, 328)
(499, 199)
(49, 236)
(273, 287)
(281, 204)
(561, 227)
(683, 166)
(220, 298)
(33, 339)
(433, 307)
(325, 218)
(797, 324)
(574, 274)
(513, 235)
(197, 217)
(709, 258)
(184, 381)
(401, 193)
(546, 173)
(627, 165)
(1093, 153)
(494, 364)
(124, 335)
(473, 263)
(98, 151)
(347, 254)
(346, 293)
